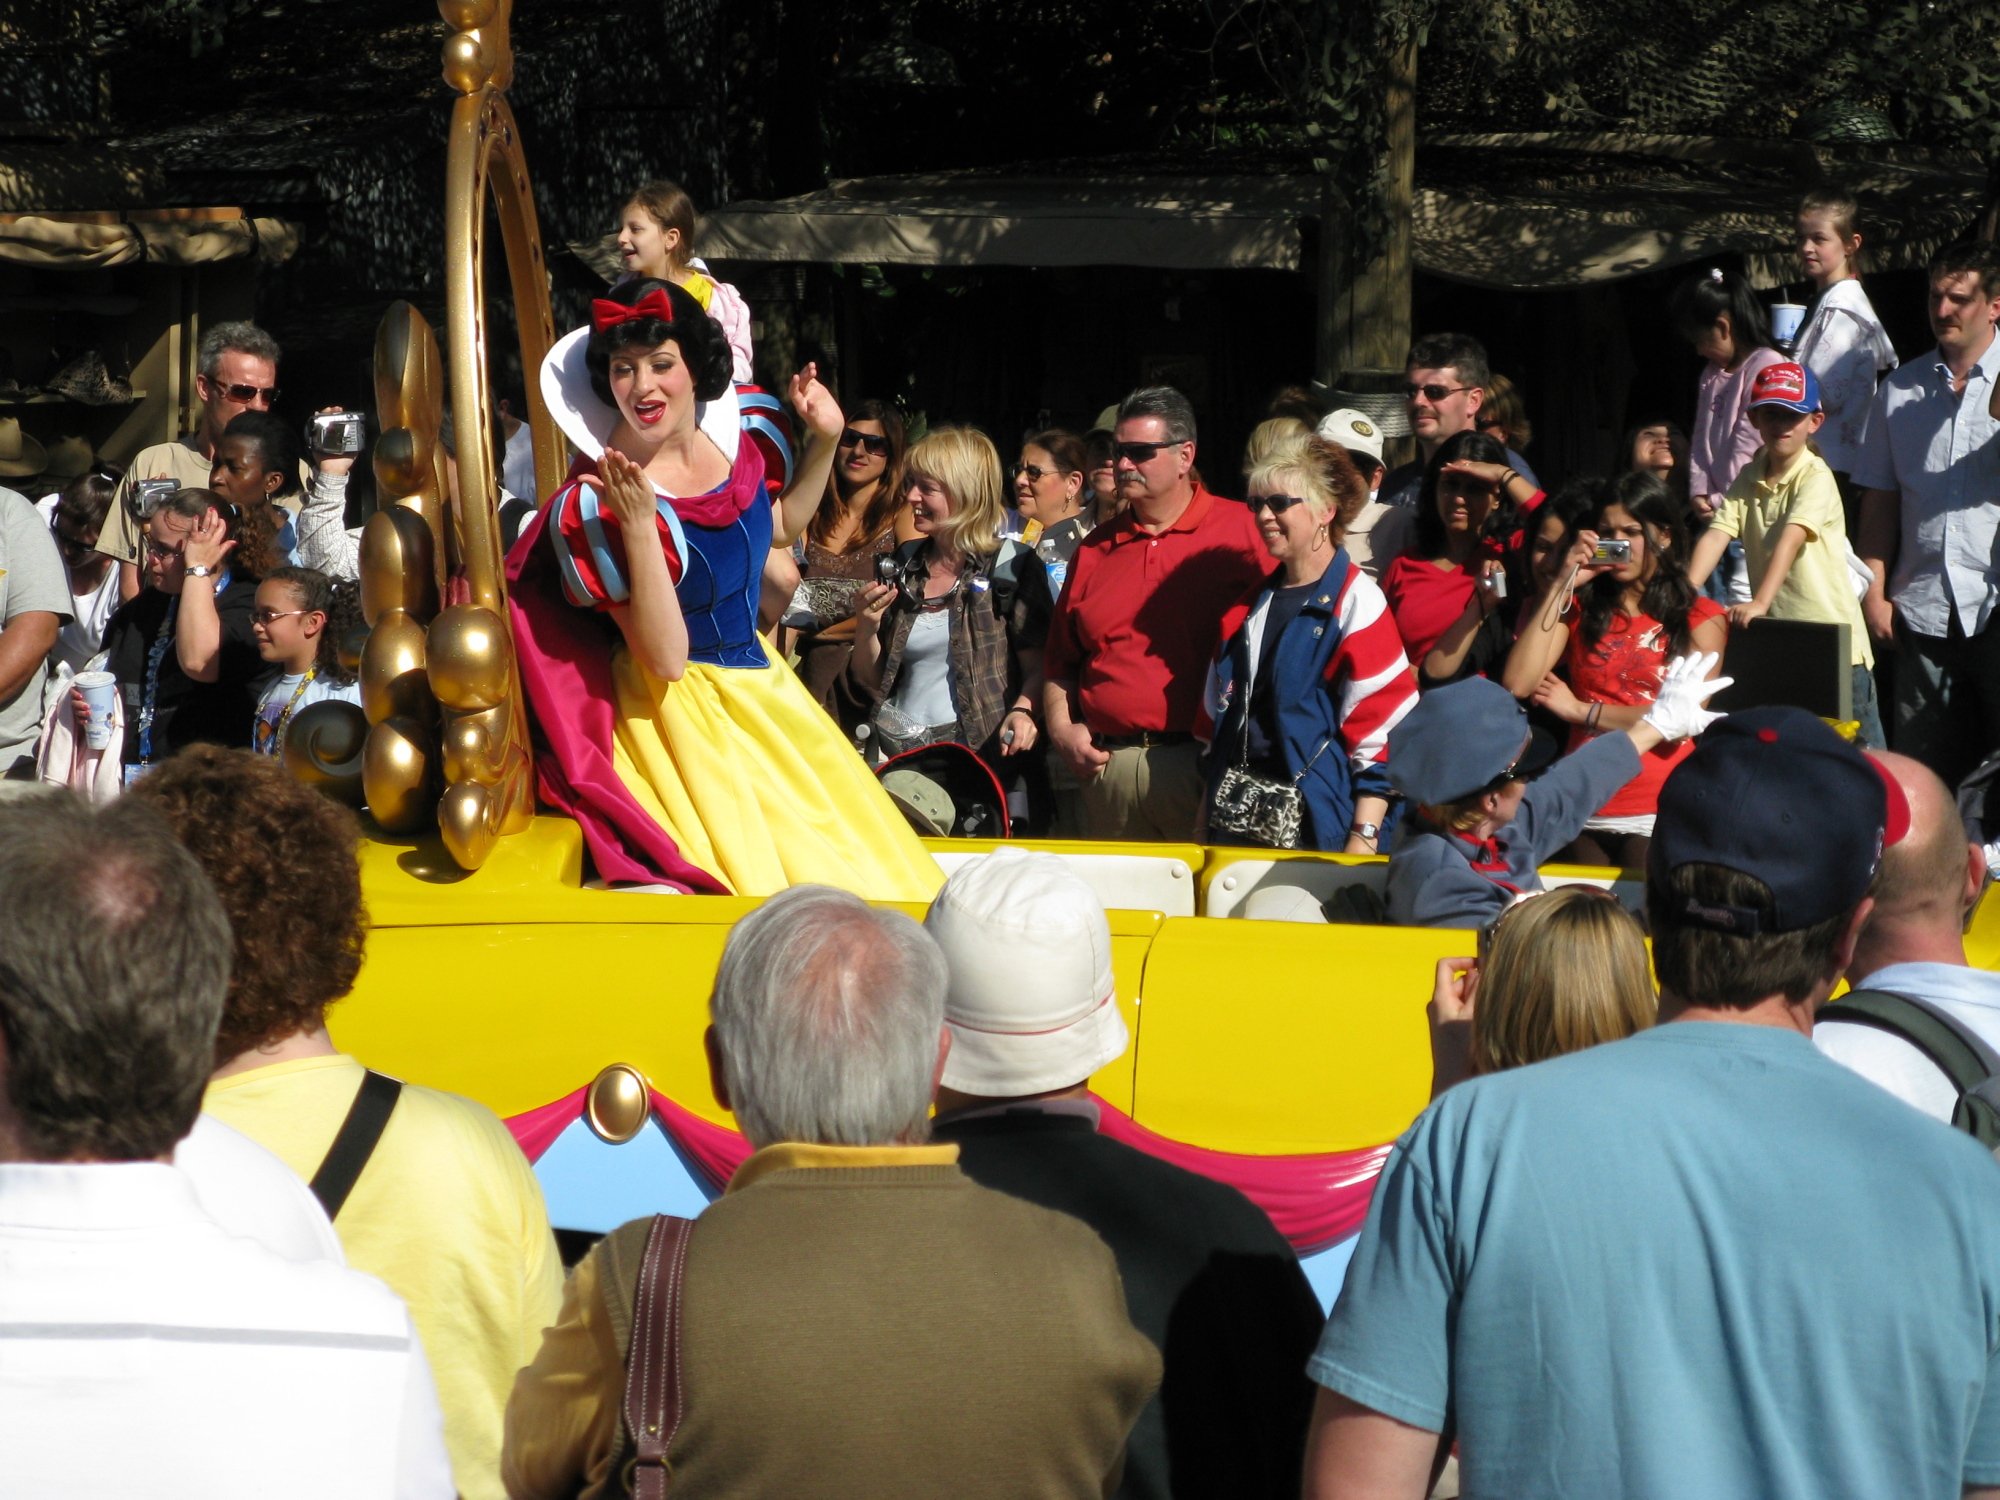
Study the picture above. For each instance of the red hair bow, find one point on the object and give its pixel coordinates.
(654, 304)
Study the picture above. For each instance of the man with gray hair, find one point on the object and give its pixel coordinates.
(236, 370)
(142, 1345)
(1138, 623)
(858, 1318)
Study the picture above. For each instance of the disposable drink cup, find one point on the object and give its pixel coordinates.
(1786, 317)
(100, 699)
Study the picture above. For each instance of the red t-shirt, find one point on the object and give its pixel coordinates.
(1625, 668)
(1140, 614)
(1424, 599)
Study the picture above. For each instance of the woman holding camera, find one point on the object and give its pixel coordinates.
(952, 649)
(1614, 635)
(1310, 676)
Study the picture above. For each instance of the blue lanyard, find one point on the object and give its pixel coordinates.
(155, 659)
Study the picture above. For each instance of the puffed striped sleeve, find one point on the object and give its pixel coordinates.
(1368, 673)
(590, 546)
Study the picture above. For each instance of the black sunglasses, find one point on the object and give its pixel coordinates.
(1434, 393)
(873, 442)
(247, 395)
(1036, 473)
(1276, 504)
(1138, 453)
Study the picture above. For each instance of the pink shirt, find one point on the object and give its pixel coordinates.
(1723, 440)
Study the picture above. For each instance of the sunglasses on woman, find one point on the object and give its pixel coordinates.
(875, 443)
(1036, 473)
(1277, 505)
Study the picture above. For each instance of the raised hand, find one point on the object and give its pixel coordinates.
(209, 543)
(628, 494)
(1678, 713)
(815, 404)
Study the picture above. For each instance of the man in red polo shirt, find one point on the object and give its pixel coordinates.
(1129, 648)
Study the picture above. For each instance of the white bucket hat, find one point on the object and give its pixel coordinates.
(588, 422)
(1032, 1004)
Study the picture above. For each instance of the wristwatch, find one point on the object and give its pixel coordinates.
(203, 570)
(1369, 831)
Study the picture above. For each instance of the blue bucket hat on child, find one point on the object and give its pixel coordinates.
(1462, 739)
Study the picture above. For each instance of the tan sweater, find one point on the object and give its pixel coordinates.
(858, 1322)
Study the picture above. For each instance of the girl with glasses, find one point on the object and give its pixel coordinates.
(300, 618)
(861, 517)
(1310, 676)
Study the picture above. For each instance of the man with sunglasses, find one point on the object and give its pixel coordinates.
(236, 371)
(1137, 625)
(1445, 385)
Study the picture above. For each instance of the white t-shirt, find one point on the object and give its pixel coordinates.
(252, 1194)
(146, 1350)
(923, 686)
(1848, 351)
(1969, 995)
(277, 698)
(83, 637)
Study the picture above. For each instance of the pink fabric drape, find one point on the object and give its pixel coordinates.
(1314, 1199)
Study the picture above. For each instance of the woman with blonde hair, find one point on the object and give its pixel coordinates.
(1556, 973)
(952, 649)
(1310, 676)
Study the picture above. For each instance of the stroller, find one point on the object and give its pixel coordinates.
(946, 791)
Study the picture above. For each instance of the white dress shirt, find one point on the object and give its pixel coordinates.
(254, 1195)
(146, 1351)
(1971, 996)
(1937, 449)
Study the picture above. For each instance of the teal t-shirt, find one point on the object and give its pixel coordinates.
(1702, 1261)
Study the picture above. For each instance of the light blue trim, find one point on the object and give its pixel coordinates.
(616, 590)
(673, 520)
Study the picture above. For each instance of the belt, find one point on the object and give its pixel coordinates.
(1145, 739)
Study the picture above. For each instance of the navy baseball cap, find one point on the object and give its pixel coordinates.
(1463, 739)
(1774, 794)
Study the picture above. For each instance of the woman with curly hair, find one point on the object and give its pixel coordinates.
(446, 1210)
(686, 749)
(256, 466)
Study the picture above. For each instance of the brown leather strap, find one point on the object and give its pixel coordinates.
(653, 1366)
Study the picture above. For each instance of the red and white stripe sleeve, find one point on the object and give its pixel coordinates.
(1369, 672)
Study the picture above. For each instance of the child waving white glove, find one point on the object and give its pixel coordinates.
(1678, 713)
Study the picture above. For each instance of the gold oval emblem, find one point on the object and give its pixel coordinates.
(618, 1104)
(1362, 429)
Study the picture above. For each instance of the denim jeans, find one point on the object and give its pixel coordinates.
(1867, 710)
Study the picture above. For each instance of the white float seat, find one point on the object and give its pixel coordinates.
(1129, 882)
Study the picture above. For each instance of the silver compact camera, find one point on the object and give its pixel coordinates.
(1617, 550)
(148, 495)
(887, 570)
(337, 434)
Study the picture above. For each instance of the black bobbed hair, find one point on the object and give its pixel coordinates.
(702, 342)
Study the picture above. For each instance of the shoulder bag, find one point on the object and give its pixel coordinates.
(653, 1392)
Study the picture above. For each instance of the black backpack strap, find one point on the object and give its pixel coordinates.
(366, 1119)
(1955, 1049)
(1006, 575)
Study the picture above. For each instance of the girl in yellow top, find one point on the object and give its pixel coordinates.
(1785, 506)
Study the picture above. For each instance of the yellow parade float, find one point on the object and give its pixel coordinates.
(1283, 1055)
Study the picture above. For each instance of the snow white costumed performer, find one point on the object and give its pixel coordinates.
(689, 754)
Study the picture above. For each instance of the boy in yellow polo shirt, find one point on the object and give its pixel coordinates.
(1786, 509)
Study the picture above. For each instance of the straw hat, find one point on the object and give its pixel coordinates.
(20, 455)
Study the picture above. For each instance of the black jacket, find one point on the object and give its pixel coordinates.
(1207, 1278)
(187, 712)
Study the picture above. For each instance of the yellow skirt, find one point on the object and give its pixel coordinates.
(755, 784)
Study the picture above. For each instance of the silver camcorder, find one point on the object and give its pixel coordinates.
(337, 434)
(1616, 550)
(148, 495)
(887, 569)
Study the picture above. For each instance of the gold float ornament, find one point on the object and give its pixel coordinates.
(449, 735)
(619, 1103)
(324, 745)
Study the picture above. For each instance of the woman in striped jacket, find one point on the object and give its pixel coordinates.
(1310, 676)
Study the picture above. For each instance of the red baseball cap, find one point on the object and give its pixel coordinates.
(1786, 384)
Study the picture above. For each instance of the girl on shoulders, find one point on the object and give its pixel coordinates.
(656, 239)
(1843, 342)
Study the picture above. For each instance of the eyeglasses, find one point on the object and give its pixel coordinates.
(875, 443)
(1138, 453)
(1434, 393)
(263, 616)
(249, 395)
(1277, 505)
(1036, 473)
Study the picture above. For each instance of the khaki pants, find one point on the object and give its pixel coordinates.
(1146, 793)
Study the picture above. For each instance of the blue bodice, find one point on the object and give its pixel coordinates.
(721, 587)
